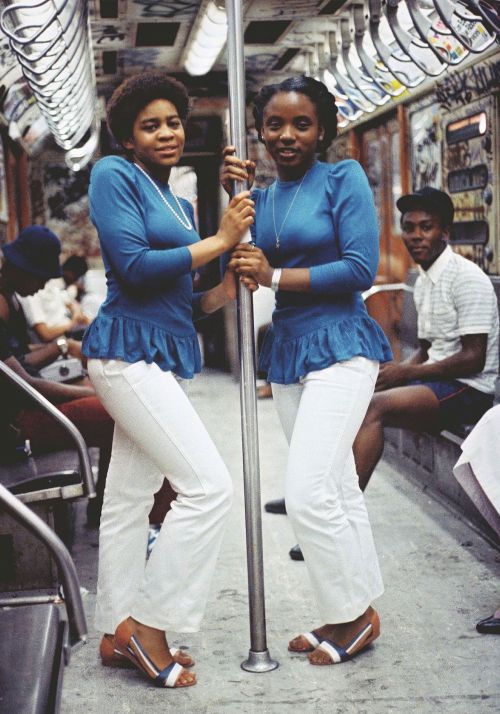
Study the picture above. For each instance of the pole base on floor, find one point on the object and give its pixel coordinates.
(259, 662)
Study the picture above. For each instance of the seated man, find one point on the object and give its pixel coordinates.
(29, 261)
(53, 311)
(450, 379)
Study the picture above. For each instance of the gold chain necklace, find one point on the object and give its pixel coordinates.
(184, 221)
(276, 232)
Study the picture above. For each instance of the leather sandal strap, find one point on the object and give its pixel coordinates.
(367, 630)
(335, 652)
(311, 638)
(169, 676)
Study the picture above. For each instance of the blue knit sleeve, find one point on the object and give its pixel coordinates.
(357, 231)
(117, 211)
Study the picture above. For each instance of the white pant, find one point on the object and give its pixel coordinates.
(157, 433)
(321, 416)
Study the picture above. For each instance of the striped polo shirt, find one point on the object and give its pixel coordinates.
(454, 298)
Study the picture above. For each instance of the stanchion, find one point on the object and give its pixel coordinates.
(259, 659)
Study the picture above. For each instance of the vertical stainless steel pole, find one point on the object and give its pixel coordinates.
(259, 659)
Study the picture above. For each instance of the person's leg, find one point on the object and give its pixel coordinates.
(287, 400)
(87, 414)
(96, 427)
(414, 407)
(131, 483)
(155, 415)
(324, 501)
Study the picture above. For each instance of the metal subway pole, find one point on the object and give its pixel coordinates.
(259, 659)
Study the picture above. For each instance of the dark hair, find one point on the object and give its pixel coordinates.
(135, 93)
(77, 264)
(318, 93)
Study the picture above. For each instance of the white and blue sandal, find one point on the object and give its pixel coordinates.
(364, 637)
(130, 646)
(314, 641)
(112, 656)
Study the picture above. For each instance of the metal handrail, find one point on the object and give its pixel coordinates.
(86, 469)
(344, 81)
(449, 10)
(48, 48)
(65, 565)
(376, 72)
(426, 28)
(387, 54)
(369, 89)
(386, 288)
(413, 46)
(40, 29)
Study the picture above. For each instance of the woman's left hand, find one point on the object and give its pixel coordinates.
(250, 262)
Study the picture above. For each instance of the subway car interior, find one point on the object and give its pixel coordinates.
(417, 86)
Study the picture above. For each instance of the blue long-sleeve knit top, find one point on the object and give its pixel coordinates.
(148, 311)
(332, 229)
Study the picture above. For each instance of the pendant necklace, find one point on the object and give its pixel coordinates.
(276, 232)
(184, 220)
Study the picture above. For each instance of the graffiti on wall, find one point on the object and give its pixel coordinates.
(167, 8)
(425, 141)
(460, 88)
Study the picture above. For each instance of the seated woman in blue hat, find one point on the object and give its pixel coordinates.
(28, 262)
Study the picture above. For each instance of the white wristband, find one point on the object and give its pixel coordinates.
(275, 280)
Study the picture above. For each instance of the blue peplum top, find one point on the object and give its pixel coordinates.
(332, 229)
(149, 309)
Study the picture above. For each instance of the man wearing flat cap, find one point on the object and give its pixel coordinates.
(450, 379)
(29, 261)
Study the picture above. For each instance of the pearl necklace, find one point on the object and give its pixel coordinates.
(276, 232)
(184, 221)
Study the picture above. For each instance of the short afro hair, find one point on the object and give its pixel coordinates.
(135, 93)
(318, 93)
(77, 264)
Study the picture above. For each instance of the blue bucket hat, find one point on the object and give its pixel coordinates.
(35, 250)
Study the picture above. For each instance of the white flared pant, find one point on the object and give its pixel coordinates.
(157, 434)
(321, 416)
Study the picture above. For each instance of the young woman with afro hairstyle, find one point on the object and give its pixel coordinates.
(140, 348)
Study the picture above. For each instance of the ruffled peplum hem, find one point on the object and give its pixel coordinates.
(117, 337)
(287, 359)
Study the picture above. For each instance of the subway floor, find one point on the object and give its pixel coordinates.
(440, 578)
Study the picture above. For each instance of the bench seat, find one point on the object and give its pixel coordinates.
(44, 477)
(31, 659)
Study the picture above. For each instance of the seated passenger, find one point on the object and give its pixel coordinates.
(54, 310)
(450, 379)
(477, 473)
(29, 261)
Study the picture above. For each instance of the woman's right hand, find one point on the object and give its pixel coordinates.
(234, 169)
(236, 220)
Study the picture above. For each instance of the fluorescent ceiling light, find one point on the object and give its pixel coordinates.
(207, 40)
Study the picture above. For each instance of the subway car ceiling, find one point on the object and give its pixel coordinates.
(57, 69)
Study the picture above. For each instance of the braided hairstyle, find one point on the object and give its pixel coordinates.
(316, 91)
